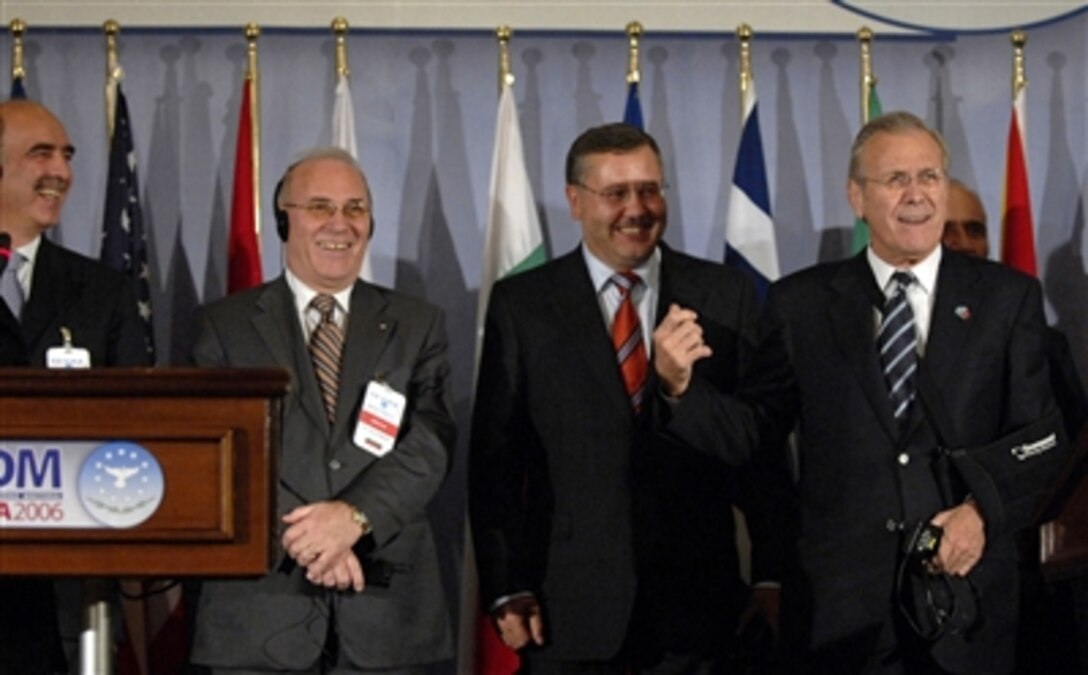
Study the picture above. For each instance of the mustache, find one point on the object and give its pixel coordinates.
(51, 183)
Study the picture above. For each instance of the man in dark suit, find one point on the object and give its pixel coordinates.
(60, 293)
(600, 496)
(355, 587)
(888, 369)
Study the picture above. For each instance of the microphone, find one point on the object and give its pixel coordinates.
(5, 251)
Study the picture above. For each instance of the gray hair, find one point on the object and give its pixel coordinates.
(899, 122)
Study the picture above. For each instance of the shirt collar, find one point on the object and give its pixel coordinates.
(924, 272)
(601, 274)
(304, 294)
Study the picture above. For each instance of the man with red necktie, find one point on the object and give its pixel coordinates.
(617, 408)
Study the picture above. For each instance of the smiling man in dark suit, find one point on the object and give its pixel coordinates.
(903, 349)
(49, 289)
(613, 430)
(355, 587)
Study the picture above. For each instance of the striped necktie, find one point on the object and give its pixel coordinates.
(627, 340)
(898, 347)
(10, 289)
(326, 345)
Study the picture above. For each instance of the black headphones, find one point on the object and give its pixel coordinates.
(281, 214)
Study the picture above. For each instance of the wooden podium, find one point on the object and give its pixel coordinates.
(215, 434)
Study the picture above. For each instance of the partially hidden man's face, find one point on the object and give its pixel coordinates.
(965, 223)
(326, 253)
(37, 172)
(901, 193)
(620, 203)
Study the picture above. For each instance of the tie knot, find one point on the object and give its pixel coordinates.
(325, 304)
(902, 280)
(15, 263)
(625, 281)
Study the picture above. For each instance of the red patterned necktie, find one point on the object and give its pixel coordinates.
(326, 345)
(627, 340)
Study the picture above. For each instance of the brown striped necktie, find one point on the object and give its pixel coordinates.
(627, 339)
(326, 346)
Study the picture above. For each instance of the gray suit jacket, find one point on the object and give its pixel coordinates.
(280, 621)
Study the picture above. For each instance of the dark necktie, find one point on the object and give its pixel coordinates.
(627, 339)
(898, 346)
(10, 289)
(326, 344)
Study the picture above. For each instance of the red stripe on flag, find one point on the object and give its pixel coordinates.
(243, 253)
(1018, 232)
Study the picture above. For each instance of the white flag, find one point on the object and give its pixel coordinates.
(512, 241)
(343, 136)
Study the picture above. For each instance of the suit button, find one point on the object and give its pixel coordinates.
(892, 525)
(904, 459)
(334, 465)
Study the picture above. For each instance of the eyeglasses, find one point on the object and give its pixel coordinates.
(324, 209)
(617, 195)
(897, 181)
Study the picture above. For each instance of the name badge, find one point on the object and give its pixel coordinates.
(67, 356)
(379, 418)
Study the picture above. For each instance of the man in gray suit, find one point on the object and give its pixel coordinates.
(367, 430)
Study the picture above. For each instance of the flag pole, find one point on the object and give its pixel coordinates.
(744, 36)
(18, 29)
(252, 32)
(340, 30)
(868, 80)
(506, 73)
(634, 33)
(113, 73)
(1019, 76)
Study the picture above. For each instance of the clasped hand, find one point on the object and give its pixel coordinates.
(319, 537)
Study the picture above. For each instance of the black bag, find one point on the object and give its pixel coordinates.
(932, 603)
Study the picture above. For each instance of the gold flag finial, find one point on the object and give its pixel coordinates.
(18, 29)
(868, 80)
(113, 72)
(634, 32)
(112, 29)
(340, 30)
(506, 73)
(1019, 73)
(744, 35)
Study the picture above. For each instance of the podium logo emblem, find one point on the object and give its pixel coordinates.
(121, 484)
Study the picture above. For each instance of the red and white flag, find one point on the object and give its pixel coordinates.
(1017, 229)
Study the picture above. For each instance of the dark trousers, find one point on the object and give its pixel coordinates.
(29, 637)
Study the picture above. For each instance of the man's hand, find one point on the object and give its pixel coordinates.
(319, 537)
(678, 344)
(519, 622)
(963, 541)
(764, 603)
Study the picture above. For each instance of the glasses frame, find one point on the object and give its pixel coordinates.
(900, 181)
(619, 195)
(326, 209)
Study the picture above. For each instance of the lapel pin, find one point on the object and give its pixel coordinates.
(963, 312)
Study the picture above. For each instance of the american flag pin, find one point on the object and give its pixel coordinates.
(963, 312)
